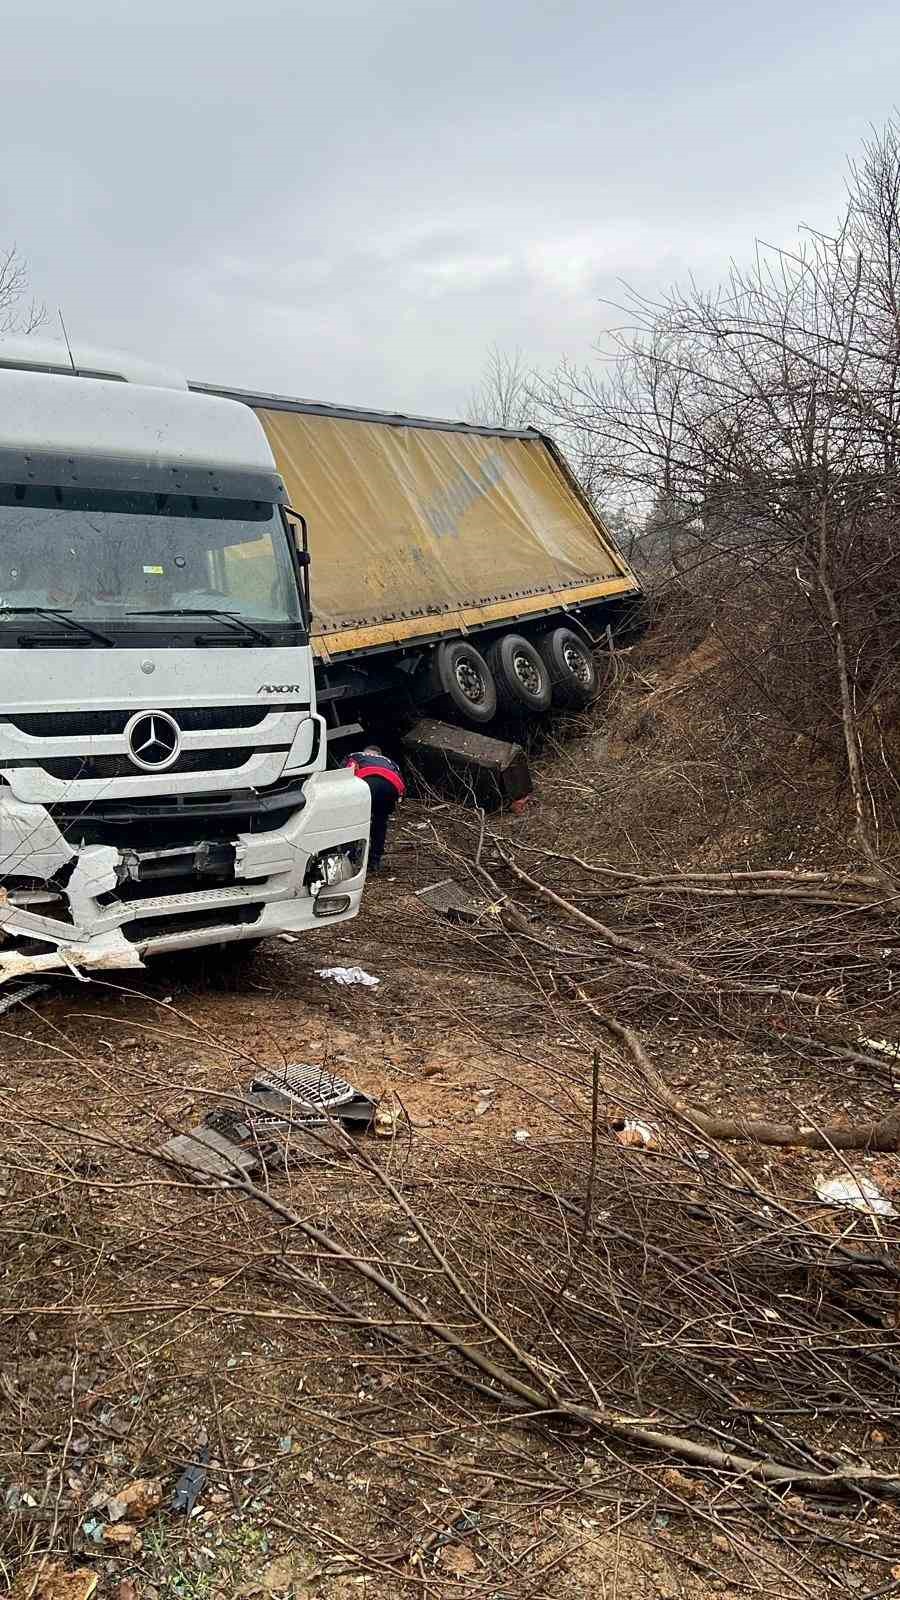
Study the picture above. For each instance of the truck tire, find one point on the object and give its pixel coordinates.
(462, 677)
(522, 676)
(572, 668)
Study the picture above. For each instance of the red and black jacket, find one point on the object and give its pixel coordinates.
(367, 765)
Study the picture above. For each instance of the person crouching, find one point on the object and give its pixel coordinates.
(387, 788)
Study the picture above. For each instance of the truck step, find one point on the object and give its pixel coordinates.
(194, 898)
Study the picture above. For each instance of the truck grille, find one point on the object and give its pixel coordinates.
(82, 768)
(191, 719)
(174, 819)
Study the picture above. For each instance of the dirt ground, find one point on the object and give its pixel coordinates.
(144, 1323)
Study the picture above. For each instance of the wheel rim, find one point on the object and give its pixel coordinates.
(527, 673)
(577, 662)
(470, 681)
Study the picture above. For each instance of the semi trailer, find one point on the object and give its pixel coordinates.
(163, 779)
(458, 569)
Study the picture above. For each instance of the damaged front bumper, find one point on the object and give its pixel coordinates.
(93, 906)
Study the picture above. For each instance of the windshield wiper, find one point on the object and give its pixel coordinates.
(64, 618)
(205, 611)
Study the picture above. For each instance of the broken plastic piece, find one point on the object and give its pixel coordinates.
(190, 1483)
(489, 771)
(23, 991)
(205, 1150)
(454, 901)
(308, 1095)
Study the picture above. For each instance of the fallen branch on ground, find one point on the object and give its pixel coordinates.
(505, 1385)
(655, 958)
(882, 1134)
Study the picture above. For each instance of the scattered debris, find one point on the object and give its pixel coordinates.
(386, 1117)
(137, 1501)
(860, 1194)
(14, 996)
(205, 1150)
(298, 1147)
(644, 1135)
(291, 1117)
(53, 1580)
(460, 1559)
(347, 976)
(454, 901)
(887, 1047)
(124, 1534)
(190, 1483)
(310, 1095)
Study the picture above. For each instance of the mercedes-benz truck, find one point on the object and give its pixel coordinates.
(162, 760)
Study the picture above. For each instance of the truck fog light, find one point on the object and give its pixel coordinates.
(331, 905)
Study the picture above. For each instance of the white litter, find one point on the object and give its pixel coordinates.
(521, 1136)
(860, 1194)
(349, 975)
(886, 1047)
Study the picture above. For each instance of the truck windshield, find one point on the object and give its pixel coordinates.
(130, 559)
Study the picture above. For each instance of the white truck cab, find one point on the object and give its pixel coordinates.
(162, 762)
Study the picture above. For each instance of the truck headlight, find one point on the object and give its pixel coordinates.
(335, 866)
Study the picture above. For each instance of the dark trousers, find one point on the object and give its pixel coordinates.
(384, 799)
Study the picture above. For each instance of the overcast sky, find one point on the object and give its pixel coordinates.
(352, 200)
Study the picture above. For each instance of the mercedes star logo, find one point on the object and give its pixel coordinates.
(154, 740)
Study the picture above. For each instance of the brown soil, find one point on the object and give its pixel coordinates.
(136, 1312)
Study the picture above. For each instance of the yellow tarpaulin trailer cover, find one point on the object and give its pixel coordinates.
(417, 530)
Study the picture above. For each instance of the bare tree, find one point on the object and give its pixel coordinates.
(18, 314)
(765, 419)
(503, 398)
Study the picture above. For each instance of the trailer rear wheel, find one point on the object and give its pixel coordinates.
(523, 681)
(462, 677)
(572, 668)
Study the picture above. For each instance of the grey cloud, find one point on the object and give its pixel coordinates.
(353, 201)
